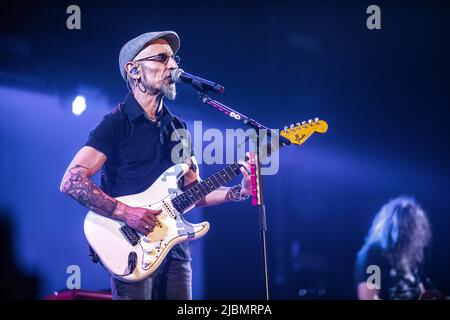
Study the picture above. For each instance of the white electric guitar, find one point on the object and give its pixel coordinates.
(131, 256)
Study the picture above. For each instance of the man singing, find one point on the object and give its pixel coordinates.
(132, 145)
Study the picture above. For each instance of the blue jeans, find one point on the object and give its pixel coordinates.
(171, 281)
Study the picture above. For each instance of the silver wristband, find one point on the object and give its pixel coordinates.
(234, 194)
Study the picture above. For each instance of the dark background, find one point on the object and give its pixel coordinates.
(384, 94)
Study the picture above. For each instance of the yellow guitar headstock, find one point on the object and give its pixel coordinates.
(302, 131)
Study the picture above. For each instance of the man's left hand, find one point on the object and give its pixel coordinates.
(246, 183)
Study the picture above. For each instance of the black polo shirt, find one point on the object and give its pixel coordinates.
(138, 151)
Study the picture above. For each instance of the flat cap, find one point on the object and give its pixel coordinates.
(131, 49)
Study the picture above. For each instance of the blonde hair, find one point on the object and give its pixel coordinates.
(402, 230)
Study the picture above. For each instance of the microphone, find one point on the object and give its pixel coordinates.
(203, 85)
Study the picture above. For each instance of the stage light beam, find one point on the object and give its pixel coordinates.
(79, 105)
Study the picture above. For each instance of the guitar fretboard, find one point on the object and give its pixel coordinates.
(205, 187)
(197, 192)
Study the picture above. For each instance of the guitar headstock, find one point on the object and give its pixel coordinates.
(302, 131)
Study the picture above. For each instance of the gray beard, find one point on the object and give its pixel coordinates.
(170, 92)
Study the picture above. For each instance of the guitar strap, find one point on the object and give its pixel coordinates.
(168, 125)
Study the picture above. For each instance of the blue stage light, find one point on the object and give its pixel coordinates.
(78, 105)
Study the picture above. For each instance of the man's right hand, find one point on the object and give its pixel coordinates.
(140, 219)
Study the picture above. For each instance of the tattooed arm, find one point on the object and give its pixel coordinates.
(78, 185)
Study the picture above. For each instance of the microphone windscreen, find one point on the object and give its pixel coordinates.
(175, 74)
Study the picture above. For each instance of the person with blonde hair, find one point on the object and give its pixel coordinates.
(394, 248)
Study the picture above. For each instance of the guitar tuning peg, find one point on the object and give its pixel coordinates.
(292, 126)
(316, 119)
(303, 122)
(309, 121)
(285, 128)
(297, 124)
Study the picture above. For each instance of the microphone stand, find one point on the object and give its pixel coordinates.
(262, 209)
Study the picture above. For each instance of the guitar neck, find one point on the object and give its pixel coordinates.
(197, 192)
